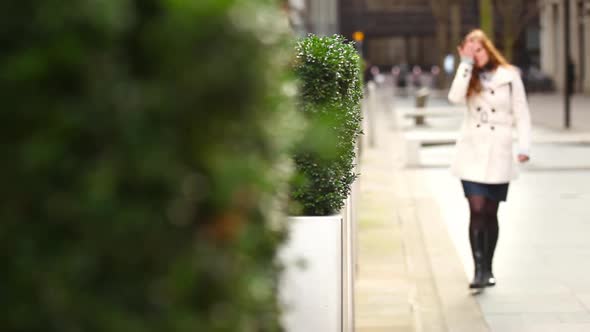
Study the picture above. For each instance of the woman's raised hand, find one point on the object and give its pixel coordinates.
(466, 50)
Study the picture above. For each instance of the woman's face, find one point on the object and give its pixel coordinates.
(480, 54)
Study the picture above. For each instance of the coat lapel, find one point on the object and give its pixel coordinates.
(502, 76)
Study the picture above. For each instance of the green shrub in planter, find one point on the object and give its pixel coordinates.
(330, 95)
(142, 153)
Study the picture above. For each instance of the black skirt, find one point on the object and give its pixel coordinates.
(496, 192)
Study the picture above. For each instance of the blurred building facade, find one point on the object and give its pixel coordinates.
(422, 32)
(397, 32)
(314, 16)
(552, 14)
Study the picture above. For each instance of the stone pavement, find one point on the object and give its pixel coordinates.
(543, 250)
(414, 256)
(547, 111)
(410, 277)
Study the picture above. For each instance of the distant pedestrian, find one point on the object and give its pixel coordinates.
(484, 161)
(368, 72)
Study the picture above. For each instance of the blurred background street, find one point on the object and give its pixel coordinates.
(414, 255)
(413, 223)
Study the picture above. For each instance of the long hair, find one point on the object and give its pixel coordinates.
(496, 59)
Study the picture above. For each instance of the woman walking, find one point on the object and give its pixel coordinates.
(484, 160)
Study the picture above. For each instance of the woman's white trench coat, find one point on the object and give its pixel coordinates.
(484, 151)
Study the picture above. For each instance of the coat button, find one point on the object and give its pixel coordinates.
(493, 110)
(493, 128)
(492, 92)
(478, 108)
(478, 125)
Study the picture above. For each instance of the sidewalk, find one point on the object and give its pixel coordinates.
(547, 110)
(410, 276)
(414, 255)
(543, 248)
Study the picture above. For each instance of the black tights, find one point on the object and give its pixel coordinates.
(484, 218)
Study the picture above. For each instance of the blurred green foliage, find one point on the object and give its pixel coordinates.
(143, 147)
(330, 93)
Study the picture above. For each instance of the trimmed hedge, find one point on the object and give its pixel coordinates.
(141, 165)
(331, 90)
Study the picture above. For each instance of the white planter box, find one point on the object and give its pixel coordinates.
(312, 296)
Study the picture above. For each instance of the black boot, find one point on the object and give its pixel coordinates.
(489, 245)
(480, 277)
